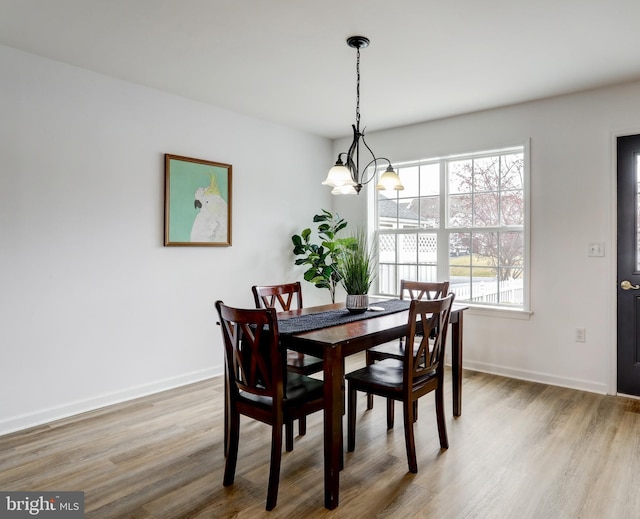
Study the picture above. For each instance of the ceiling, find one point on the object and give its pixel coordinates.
(287, 60)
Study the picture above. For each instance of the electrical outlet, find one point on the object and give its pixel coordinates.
(581, 334)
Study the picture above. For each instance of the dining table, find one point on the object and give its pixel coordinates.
(332, 333)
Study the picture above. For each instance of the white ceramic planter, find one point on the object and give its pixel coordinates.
(357, 303)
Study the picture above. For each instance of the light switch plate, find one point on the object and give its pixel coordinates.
(596, 249)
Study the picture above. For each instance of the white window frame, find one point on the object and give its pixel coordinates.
(443, 231)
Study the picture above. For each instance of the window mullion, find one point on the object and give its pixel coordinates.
(442, 269)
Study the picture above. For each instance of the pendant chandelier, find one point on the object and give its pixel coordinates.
(345, 177)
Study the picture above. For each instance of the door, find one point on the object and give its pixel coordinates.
(628, 265)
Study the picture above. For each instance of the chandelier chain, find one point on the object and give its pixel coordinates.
(358, 90)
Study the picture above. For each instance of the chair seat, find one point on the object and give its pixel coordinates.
(303, 364)
(384, 376)
(300, 388)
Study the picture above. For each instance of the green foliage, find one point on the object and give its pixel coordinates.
(322, 259)
(356, 265)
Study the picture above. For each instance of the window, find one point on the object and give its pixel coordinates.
(461, 218)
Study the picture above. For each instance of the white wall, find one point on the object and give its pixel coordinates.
(572, 204)
(93, 308)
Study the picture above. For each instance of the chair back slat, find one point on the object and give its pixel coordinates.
(251, 341)
(428, 357)
(424, 289)
(281, 297)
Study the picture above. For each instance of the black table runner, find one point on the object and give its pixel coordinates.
(310, 322)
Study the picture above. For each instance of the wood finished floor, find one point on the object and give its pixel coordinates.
(519, 450)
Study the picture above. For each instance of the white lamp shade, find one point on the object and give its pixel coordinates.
(390, 181)
(339, 176)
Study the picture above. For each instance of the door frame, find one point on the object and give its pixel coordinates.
(612, 316)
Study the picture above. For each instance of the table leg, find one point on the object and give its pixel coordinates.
(333, 402)
(456, 363)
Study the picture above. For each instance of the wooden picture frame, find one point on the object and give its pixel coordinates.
(197, 202)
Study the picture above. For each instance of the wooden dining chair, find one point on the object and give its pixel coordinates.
(284, 297)
(420, 372)
(259, 385)
(414, 290)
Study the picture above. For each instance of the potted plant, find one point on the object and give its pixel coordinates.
(357, 270)
(322, 258)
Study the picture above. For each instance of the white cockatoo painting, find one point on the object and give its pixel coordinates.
(210, 224)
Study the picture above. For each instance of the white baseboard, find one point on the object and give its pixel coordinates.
(536, 376)
(43, 416)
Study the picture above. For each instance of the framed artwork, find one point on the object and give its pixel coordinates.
(197, 202)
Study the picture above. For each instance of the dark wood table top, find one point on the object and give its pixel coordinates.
(354, 336)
